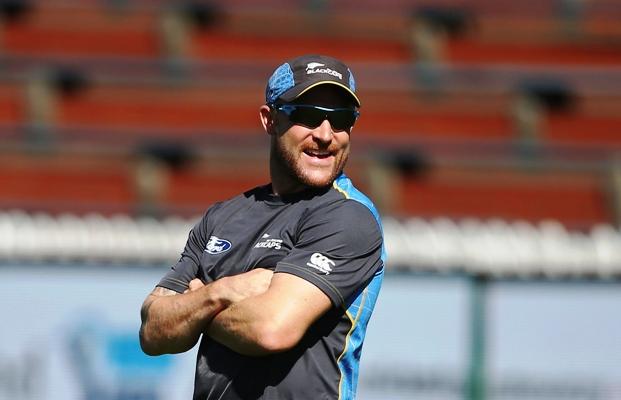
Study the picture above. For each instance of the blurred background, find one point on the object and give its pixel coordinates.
(489, 139)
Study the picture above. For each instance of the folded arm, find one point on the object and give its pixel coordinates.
(273, 321)
(173, 322)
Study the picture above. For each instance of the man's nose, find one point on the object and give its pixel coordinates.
(323, 132)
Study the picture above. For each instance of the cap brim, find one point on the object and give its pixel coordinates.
(292, 95)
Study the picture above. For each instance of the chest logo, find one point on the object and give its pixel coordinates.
(268, 243)
(321, 263)
(215, 245)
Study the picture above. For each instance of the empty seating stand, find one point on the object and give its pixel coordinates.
(458, 109)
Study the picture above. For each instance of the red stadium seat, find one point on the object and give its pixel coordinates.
(163, 108)
(55, 29)
(47, 186)
(276, 47)
(12, 103)
(587, 129)
(576, 200)
(527, 53)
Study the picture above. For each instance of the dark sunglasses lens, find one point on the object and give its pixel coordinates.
(307, 116)
(341, 120)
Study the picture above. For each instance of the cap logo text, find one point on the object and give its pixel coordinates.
(315, 68)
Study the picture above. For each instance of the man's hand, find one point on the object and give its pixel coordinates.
(238, 287)
(194, 284)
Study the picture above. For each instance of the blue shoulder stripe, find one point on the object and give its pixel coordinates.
(344, 185)
(360, 310)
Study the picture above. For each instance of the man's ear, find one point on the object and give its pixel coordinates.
(267, 120)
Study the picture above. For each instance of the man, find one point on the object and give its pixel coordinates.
(281, 280)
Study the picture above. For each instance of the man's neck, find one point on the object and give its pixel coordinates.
(281, 187)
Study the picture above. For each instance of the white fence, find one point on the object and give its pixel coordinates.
(492, 247)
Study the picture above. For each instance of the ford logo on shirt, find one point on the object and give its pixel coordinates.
(215, 245)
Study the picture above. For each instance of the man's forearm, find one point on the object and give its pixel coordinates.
(173, 323)
(270, 322)
(243, 327)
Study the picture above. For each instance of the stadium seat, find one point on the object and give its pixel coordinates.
(578, 200)
(50, 28)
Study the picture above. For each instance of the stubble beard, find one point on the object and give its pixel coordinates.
(288, 162)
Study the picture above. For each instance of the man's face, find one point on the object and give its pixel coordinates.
(310, 157)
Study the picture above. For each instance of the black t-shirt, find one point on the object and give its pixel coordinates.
(330, 237)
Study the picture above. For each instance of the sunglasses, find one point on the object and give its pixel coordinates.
(341, 119)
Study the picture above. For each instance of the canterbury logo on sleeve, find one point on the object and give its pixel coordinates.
(321, 263)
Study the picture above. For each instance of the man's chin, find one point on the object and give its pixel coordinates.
(318, 180)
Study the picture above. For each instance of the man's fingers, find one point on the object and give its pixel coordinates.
(261, 278)
(262, 273)
(195, 284)
(248, 284)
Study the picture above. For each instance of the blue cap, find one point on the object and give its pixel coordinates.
(296, 76)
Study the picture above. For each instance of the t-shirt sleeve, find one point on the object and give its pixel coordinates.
(338, 249)
(187, 268)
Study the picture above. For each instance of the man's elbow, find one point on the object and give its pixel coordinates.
(153, 342)
(149, 349)
(148, 345)
(274, 339)
(156, 343)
